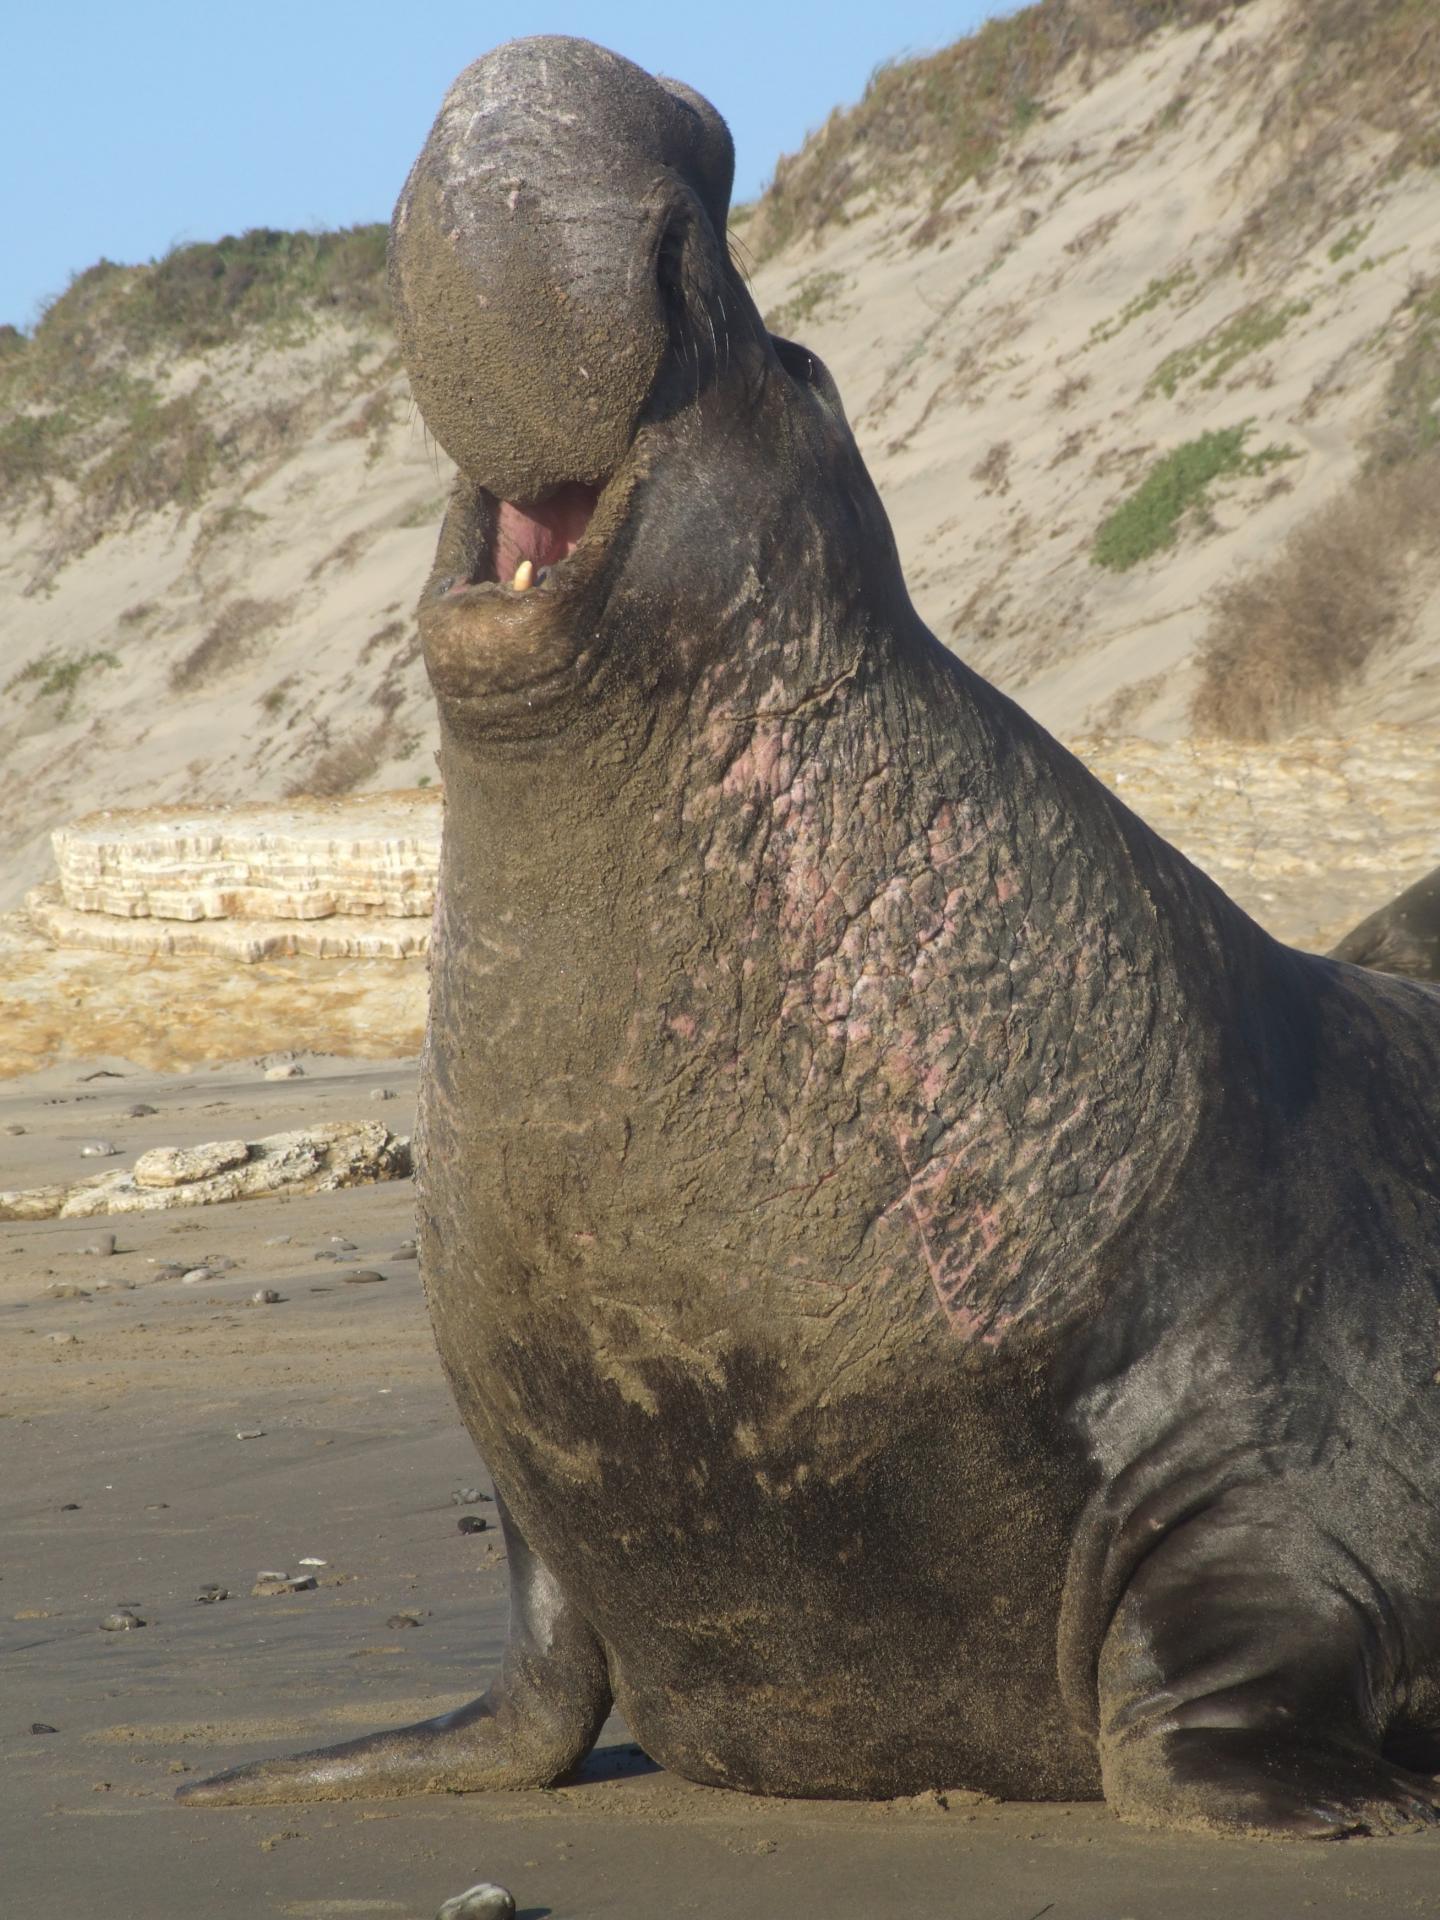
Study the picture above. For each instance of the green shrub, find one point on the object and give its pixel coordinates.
(1149, 521)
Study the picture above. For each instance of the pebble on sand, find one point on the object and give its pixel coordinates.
(402, 1620)
(265, 1297)
(63, 1339)
(122, 1620)
(382, 1093)
(209, 1594)
(361, 1277)
(471, 1523)
(42, 1726)
(194, 1276)
(405, 1251)
(140, 1111)
(250, 1433)
(483, 1902)
(467, 1497)
(98, 1150)
(102, 1245)
(15, 1127)
(289, 1070)
(270, 1586)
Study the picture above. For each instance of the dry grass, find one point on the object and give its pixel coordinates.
(345, 766)
(1284, 639)
(230, 640)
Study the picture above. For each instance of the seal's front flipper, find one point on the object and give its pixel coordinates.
(534, 1722)
(1245, 1685)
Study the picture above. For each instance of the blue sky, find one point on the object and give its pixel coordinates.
(127, 129)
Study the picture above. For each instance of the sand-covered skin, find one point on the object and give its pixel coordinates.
(132, 1414)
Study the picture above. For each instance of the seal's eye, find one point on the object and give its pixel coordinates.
(797, 361)
(809, 371)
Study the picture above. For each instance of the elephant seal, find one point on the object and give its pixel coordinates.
(1403, 937)
(945, 1299)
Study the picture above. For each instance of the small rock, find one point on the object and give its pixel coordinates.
(98, 1150)
(310, 1561)
(467, 1497)
(339, 1240)
(63, 1339)
(65, 1290)
(361, 1277)
(265, 1297)
(194, 1275)
(71, 1506)
(328, 1253)
(471, 1523)
(405, 1251)
(220, 1263)
(250, 1433)
(382, 1093)
(101, 1246)
(484, 1902)
(289, 1070)
(15, 1127)
(122, 1620)
(209, 1594)
(270, 1585)
(279, 1240)
(41, 1726)
(140, 1111)
(402, 1620)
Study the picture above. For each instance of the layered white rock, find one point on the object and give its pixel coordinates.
(343, 936)
(365, 855)
(308, 1160)
(348, 879)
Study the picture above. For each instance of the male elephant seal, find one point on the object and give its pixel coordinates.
(945, 1299)
(1403, 937)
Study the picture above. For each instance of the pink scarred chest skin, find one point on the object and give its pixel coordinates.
(780, 1186)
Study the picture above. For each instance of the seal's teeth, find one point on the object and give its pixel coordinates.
(524, 577)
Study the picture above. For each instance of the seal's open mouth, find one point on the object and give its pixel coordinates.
(517, 543)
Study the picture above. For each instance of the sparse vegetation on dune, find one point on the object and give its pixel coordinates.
(924, 126)
(81, 400)
(226, 642)
(946, 115)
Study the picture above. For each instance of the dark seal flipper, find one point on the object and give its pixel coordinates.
(1247, 1680)
(535, 1721)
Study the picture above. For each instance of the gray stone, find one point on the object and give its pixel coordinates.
(483, 1902)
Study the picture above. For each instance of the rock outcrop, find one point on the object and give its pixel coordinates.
(308, 1160)
(333, 879)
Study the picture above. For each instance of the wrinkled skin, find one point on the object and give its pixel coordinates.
(1403, 937)
(945, 1299)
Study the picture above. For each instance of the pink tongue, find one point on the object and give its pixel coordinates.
(545, 533)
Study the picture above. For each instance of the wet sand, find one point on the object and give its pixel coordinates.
(125, 1483)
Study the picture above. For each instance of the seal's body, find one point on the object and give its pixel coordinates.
(1401, 937)
(945, 1299)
